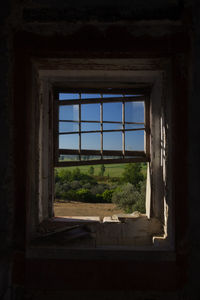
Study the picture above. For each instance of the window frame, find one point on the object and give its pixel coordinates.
(160, 199)
(137, 156)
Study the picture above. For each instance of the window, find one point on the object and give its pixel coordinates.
(62, 90)
(108, 126)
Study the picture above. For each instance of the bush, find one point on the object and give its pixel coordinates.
(69, 196)
(98, 189)
(58, 190)
(84, 195)
(63, 175)
(66, 187)
(115, 179)
(139, 206)
(87, 185)
(75, 185)
(126, 196)
(107, 196)
(99, 198)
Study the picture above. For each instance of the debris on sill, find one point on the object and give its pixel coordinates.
(123, 218)
(77, 219)
(60, 233)
(112, 219)
(46, 232)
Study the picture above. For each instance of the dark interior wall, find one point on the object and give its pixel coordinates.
(106, 11)
(194, 159)
(6, 173)
(96, 21)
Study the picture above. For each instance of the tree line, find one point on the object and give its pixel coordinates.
(127, 192)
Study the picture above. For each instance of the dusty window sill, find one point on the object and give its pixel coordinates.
(90, 238)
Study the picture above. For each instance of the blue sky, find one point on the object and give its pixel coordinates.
(134, 112)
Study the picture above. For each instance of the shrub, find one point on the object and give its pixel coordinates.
(98, 198)
(58, 190)
(63, 175)
(75, 185)
(107, 196)
(76, 174)
(84, 195)
(66, 187)
(126, 196)
(114, 179)
(69, 195)
(98, 189)
(139, 206)
(56, 177)
(87, 185)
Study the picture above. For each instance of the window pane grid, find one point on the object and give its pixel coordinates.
(101, 120)
(104, 122)
(123, 128)
(115, 119)
(101, 131)
(99, 100)
(79, 119)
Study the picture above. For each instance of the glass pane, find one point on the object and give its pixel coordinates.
(68, 141)
(90, 157)
(133, 126)
(111, 95)
(64, 157)
(134, 140)
(90, 112)
(118, 95)
(91, 141)
(68, 96)
(134, 112)
(90, 126)
(112, 141)
(112, 157)
(90, 96)
(68, 126)
(68, 112)
(110, 126)
(112, 112)
(129, 95)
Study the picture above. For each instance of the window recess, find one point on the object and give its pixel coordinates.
(100, 127)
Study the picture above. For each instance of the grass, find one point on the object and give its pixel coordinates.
(111, 170)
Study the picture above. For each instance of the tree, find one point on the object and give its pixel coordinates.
(91, 170)
(132, 174)
(102, 170)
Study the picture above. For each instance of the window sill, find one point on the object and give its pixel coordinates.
(71, 238)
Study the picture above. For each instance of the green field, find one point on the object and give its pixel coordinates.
(111, 170)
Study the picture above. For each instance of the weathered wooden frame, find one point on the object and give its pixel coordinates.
(137, 156)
